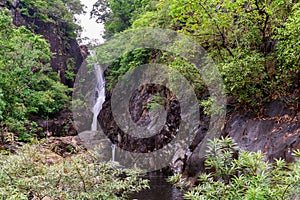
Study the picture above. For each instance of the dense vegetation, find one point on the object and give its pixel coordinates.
(30, 175)
(27, 84)
(29, 87)
(255, 44)
(234, 174)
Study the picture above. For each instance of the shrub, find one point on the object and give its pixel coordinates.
(244, 176)
(27, 87)
(28, 175)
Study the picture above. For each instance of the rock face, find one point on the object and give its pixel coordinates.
(140, 115)
(276, 134)
(66, 51)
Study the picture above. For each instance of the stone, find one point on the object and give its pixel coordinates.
(276, 134)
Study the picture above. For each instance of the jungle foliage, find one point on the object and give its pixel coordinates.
(27, 84)
(255, 44)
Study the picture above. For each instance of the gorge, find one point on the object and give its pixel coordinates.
(58, 99)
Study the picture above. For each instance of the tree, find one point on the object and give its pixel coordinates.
(27, 86)
(243, 39)
(117, 15)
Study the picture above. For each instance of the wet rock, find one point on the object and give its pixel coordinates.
(141, 115)
(277, 109)
(276, 137)
(276, 134)
(177, 162)
(131, 147)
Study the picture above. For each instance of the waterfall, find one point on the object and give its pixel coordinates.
(113, 151)
(99, 95)
(99, 100)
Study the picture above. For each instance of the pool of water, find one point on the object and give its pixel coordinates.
(159, 189)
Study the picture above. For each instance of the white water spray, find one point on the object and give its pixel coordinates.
(99, 94)
(113, 152)
(99, 100)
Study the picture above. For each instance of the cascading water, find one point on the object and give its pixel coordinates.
(99, 100)
(99, 95)
(113, 152)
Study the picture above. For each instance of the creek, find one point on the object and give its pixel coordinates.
(159, 189)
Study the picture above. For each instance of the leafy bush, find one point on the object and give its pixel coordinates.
(255, 44)
(26, 86)
(244, 176)
(288, 49)
(178, 181)
(28, 175)
(54, 11)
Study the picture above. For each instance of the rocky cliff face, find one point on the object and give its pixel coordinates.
(66, 51)
(140, 115)
(276, 132)
(66, 60)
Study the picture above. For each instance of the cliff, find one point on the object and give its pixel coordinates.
(275, 131)
(67, 56)
(55, 22)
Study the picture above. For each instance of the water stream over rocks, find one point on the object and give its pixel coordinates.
(99, 95)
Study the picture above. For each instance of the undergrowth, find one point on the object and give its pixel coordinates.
(28, 175)
(243, 175)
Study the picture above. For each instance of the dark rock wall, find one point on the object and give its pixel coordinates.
(140, 115)
(66, 51)
(276, 133)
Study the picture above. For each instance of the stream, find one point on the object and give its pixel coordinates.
(159, 189)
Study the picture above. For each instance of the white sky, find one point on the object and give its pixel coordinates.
(91, 29)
